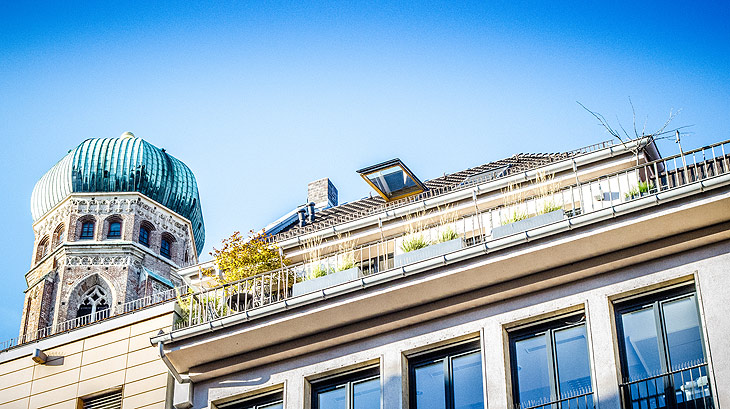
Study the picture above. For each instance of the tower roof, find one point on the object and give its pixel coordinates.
(124, 164)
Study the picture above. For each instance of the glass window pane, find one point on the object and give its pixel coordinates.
(683, 333)
(366, 394)
(533, 372)
(467, 381)
(332, 399)
(278, 405)
(641, 346)
(574, 370)
(430, 392)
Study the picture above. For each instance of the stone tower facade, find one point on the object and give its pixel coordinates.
(101, 246)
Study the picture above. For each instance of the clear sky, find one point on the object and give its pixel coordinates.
(260, 98)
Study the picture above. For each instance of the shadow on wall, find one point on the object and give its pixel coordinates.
(425, 319)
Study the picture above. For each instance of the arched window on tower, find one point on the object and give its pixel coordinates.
(114, 228)
(87, 230)
(59, 235)
(166, 245)
(145, 231)
(94, 304)
(42, 249)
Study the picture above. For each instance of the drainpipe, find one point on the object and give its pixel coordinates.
(178, 377)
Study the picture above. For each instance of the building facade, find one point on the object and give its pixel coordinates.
(592, 278)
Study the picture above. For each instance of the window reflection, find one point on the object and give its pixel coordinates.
(662, 351)
(550, 364)
(360, 390)
(448, 379)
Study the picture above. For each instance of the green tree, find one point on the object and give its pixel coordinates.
(241, 257)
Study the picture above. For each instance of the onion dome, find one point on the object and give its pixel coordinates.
(124, 164)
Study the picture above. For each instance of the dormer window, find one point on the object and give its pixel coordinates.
(115, 230)
(392, 180)
(87, 231)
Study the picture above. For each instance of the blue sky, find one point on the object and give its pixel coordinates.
(261, 98)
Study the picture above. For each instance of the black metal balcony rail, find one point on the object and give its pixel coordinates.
(686, 387)
(583, 197)
(575, 399)
(85, 320)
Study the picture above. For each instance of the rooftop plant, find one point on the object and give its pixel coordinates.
(639, 190)
(241, 257)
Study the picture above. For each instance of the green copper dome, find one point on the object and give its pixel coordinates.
(124, 164)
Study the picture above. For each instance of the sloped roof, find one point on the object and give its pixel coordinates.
(361, 208)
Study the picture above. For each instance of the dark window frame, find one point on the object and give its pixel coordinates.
(166, 251)
(347, 379)
(656, 300)
(447, 354)
(146, 241)
(256, 402)
(85, 230)
(549, 327)
(118, 232)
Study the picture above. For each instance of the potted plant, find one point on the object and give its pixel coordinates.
(321, 276)
(415, 247)
(547, 203)
(639, 190)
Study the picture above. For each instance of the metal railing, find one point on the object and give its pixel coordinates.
(580, 198)
(434, 192)
(84, 320)
(576, 399)
(684, 387)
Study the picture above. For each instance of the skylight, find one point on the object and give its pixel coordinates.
(392, 180)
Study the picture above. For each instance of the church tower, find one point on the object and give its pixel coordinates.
(113, 220)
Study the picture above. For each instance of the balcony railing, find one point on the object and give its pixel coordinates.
(577, 399)
(686, 387)
(580, 198)
(72, 324)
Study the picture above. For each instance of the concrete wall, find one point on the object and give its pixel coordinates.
(115, 354)
(531, 299)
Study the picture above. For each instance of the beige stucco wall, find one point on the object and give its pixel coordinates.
(120, 357)
(706, 267)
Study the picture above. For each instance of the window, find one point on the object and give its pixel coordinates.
(662, 351)
(87, 231)
(144, 236)
(58, 235)
(165, 247)
(358, 390)
(115, 230)
(392, 180)
(268, 401)
(42, 249)
(111, 400)
(550, 365)
(94, 304)
(450, 378)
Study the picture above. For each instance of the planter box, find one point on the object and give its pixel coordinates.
(527, 224)
(331, 279)
(434, 250)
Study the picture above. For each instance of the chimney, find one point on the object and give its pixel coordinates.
(322, 193)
